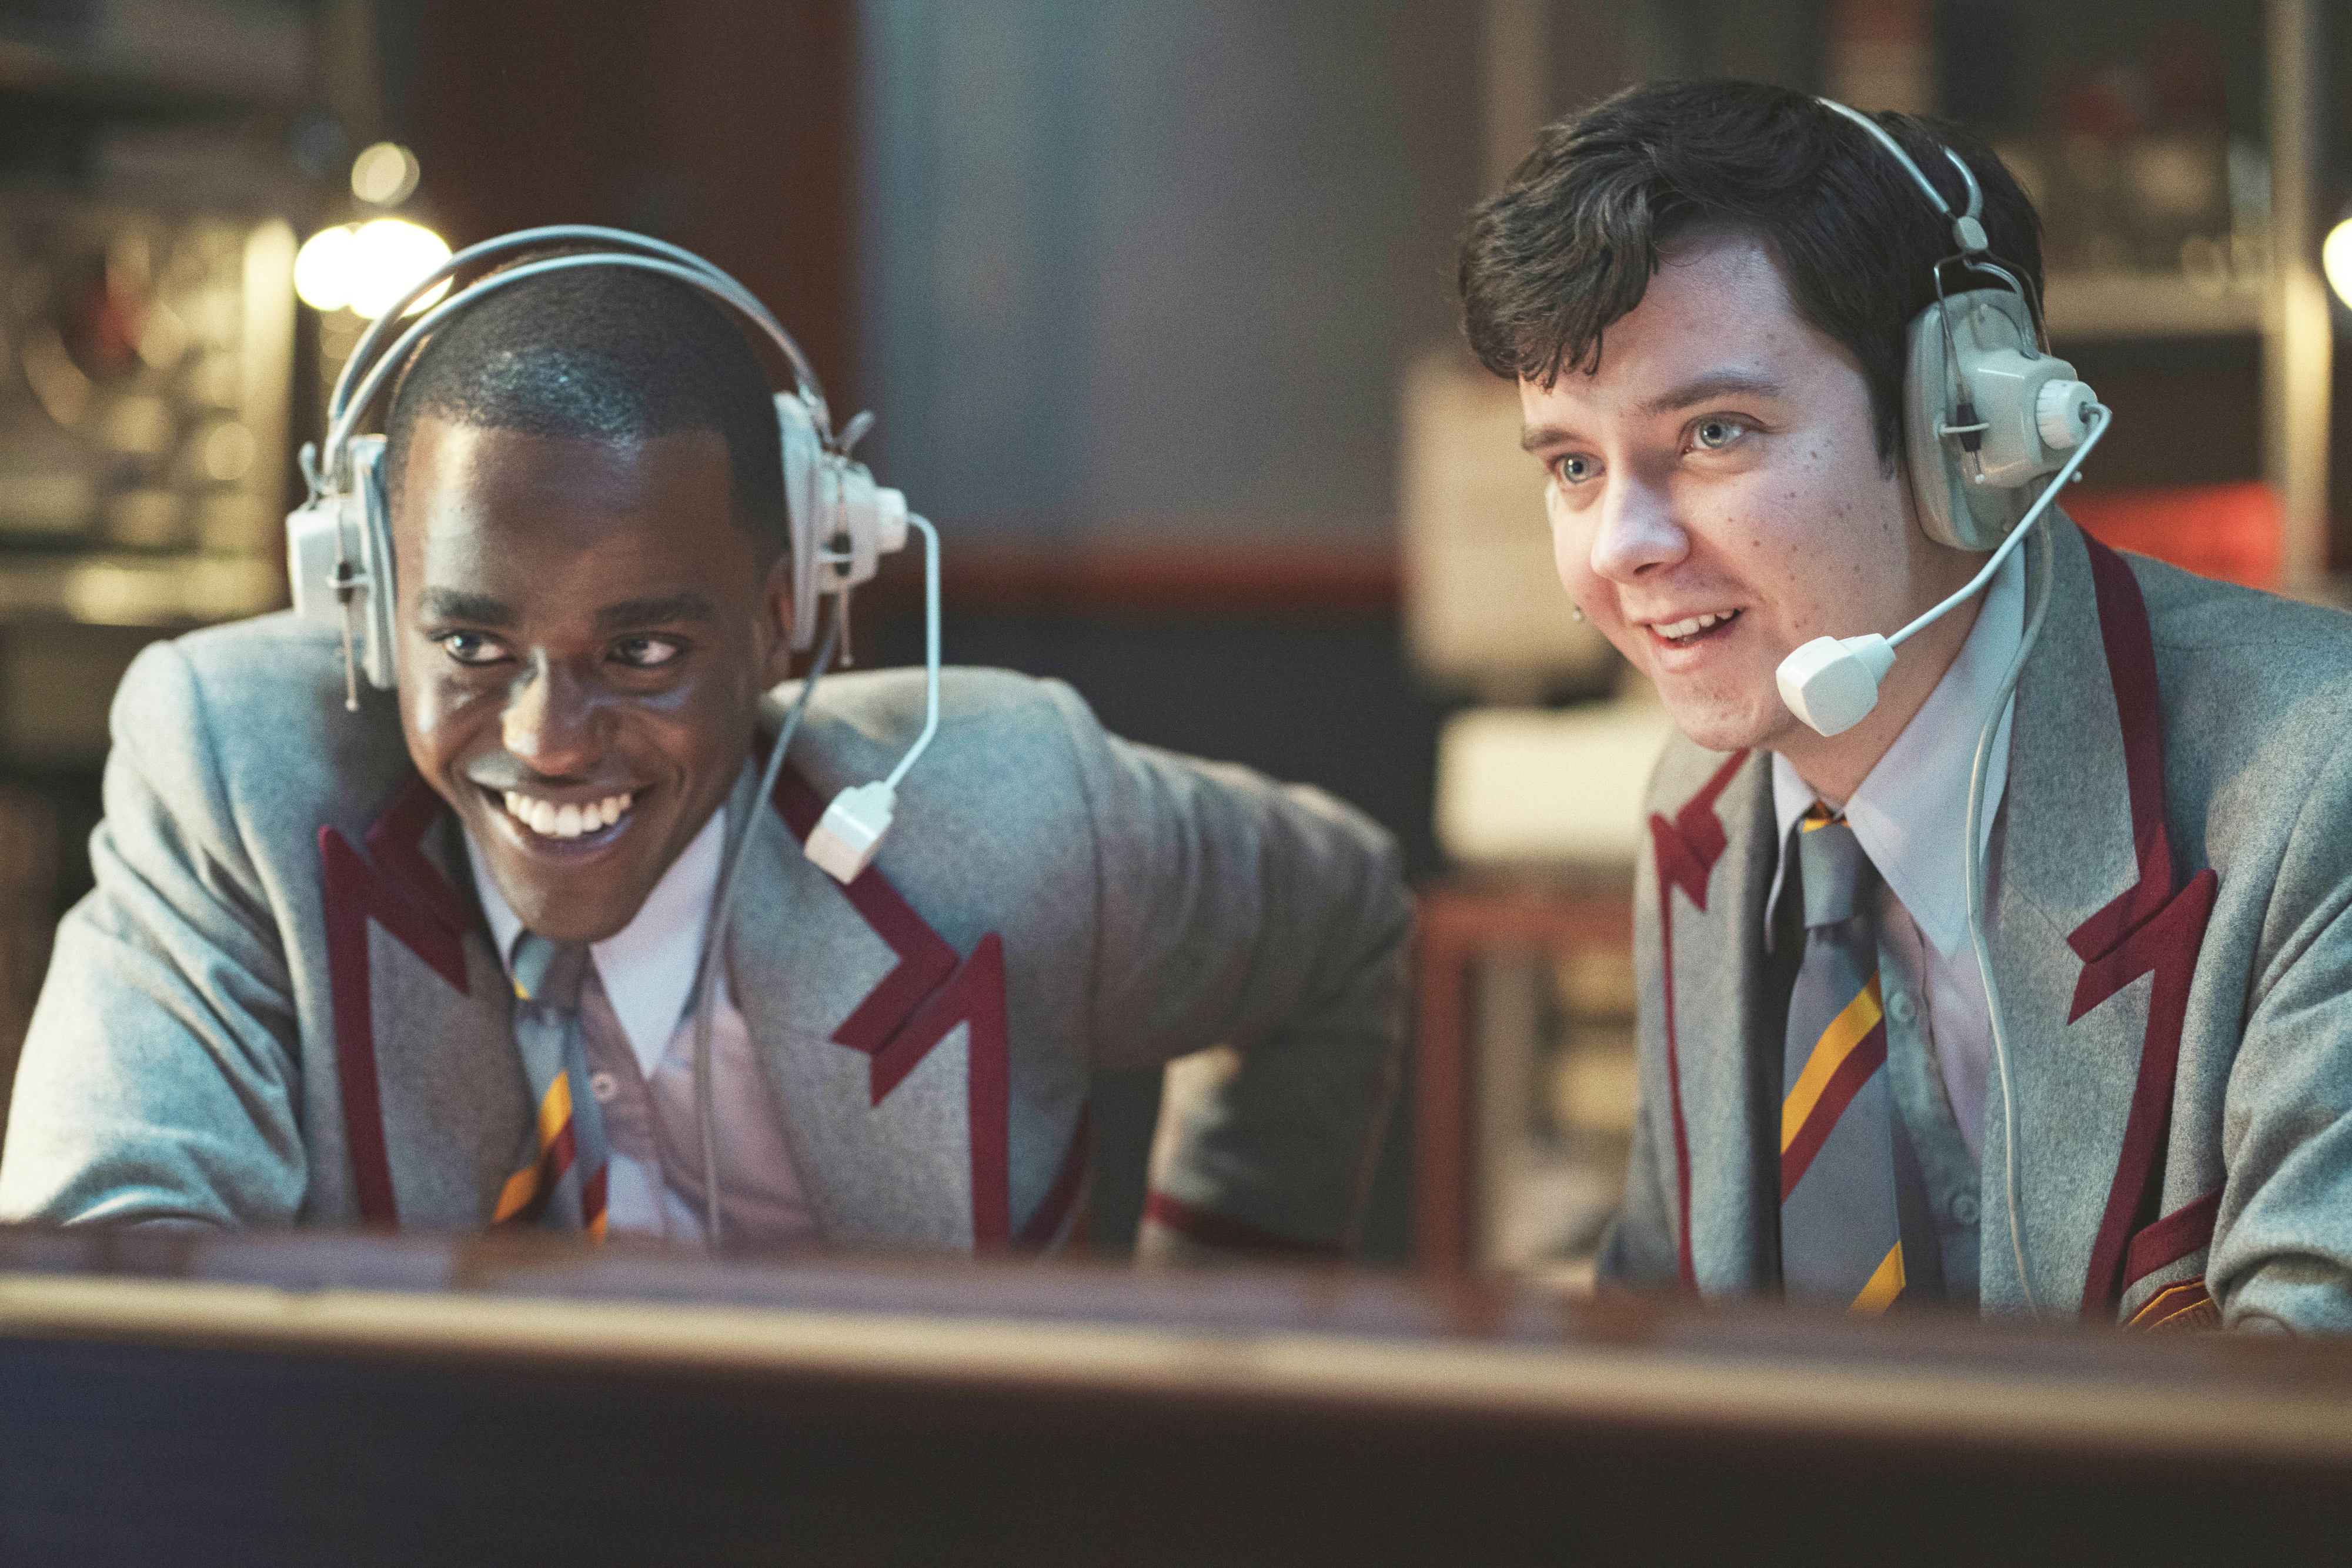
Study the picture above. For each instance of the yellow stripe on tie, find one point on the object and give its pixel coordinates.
(554, 1110)
(1885, 1285)
(520, 1188)
(1837, 1042)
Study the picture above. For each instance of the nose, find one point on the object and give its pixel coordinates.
(1638, 529)
(550, 722)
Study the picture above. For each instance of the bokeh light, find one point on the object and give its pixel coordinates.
(322, 270)
(365, 267)
(2336, 258)
(385, 175)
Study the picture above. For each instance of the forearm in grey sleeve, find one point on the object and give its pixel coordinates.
(2282, 1251)
(154, 1083)
(1639, 1250)
(1271, 919)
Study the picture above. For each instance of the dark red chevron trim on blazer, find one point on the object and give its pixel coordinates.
(917, 1005)
(406, 894)
(2146, 929)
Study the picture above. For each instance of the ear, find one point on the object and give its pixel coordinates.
(776, 622)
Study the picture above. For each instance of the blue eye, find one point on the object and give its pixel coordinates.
(1713, 434)
(1573, 470)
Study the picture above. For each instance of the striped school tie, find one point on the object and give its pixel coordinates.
(559, 1178)
(1849, 1178)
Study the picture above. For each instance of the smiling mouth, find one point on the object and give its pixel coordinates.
(1685, 632)
(567, 820)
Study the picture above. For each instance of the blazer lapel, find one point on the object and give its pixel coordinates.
(1714, 860)
(2093, 940)
(887, 1048)
(432, 1089)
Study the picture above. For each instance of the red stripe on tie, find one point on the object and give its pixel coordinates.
(592, 1198)
(1865, 1059)
(552, 1162)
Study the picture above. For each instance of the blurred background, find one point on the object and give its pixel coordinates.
(1153, 298)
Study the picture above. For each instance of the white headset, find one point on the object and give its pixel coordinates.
(1987, 410)
(339, 543)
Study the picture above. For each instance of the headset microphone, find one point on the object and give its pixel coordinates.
(1832, 683)
(1987, 411)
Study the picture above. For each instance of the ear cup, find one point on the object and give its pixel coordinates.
(811, 519)
(378, 658)
(1989, 326)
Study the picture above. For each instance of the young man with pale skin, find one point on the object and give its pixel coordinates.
(322, 944)
(1704, 292)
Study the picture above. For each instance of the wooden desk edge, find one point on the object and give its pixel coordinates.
(1587, 1389)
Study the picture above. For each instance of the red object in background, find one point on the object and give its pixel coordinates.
(2233, 532)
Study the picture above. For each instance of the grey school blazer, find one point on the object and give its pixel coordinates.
(2170, 935)
(281, 1004)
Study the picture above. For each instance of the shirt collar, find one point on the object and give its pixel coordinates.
(646, 967)
(1908, 815)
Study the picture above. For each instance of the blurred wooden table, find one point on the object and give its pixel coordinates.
(1461, 921)
(307, 1399)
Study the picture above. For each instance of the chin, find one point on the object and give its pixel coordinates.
(1724, 722)
(560, 913)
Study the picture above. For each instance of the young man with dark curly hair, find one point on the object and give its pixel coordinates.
(2139, 1107)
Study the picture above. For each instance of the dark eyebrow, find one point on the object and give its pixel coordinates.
(1706, 389)
(630, 612)
(454, 604)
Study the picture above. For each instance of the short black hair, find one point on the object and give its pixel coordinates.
(1568, 248)
(601, 353)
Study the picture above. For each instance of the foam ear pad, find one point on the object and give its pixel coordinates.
(378, 659)
(810, 515)
(1953, 509)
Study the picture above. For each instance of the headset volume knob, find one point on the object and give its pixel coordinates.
(2062, 413)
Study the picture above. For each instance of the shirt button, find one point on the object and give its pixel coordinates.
(604, 1085)
(1901, 1007)
(1964, 1208)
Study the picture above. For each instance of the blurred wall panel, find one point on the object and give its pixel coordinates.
(725, 126)
(1147, 271)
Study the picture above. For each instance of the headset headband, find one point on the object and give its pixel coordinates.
(365, 373)
(1967, 231)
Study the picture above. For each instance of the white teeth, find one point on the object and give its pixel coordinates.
(551, 820)
(1678, 630)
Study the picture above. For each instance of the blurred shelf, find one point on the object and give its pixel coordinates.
(2094, 305)
(163, 591)
(164, 57)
